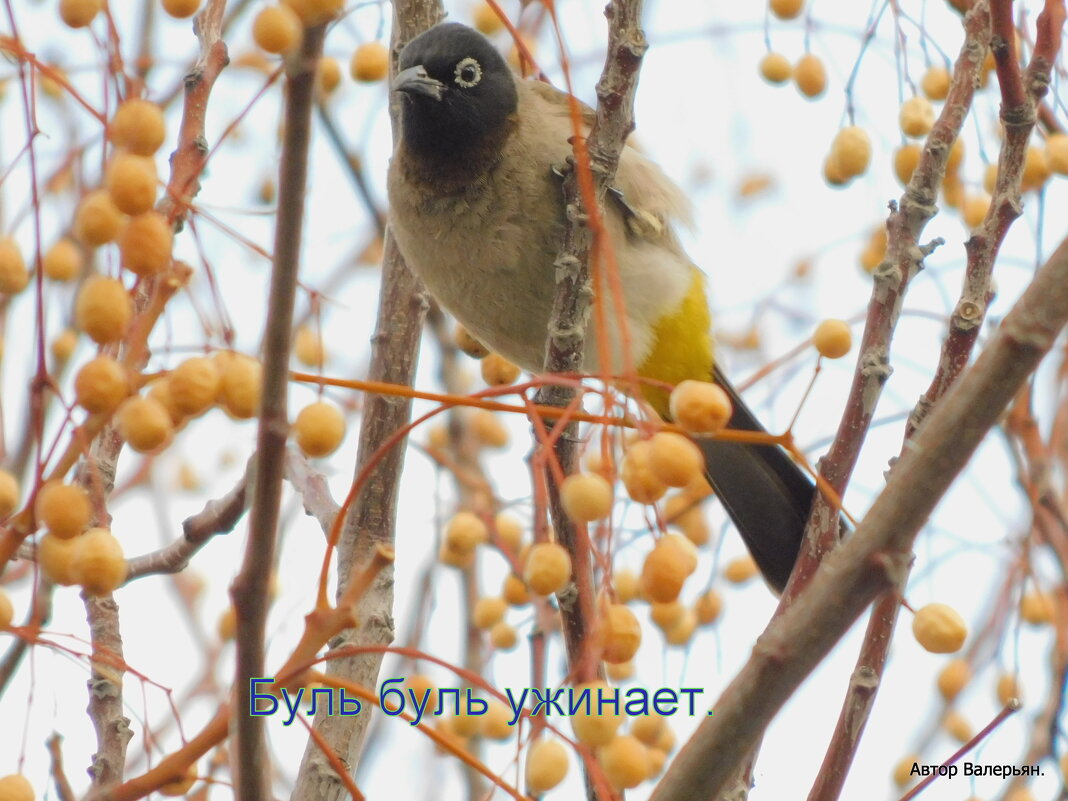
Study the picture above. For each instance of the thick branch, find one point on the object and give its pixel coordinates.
(586, 251)
(371, 518)
(872, 561)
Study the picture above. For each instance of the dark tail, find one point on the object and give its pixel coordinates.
(766, 494)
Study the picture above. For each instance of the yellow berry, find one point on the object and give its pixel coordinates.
(832, 173)
(194, 385)
(16, 787)
(596, 724)
(468, 344)
(1036, 170)
(666, 615)
(917, 116)
(683, 630)
(510, 530)
(708, 607)
(131, 183)
(957, 726)
(548, 568)
(503, 637)
(664, 571)
(700, 407)
(144, 423)
(621, 634)
(467, 725)
(939, 629)
(485, 19)
(277, 29)
(7, 611)
(97, 220)
(370, 62)
(974, 209)
(56, 558)
(851, 150)
(497, 716)
(319, 429)
(953, 191)
(990, 175)
(810, 75)
(180, 9)
(327, 75)
(63, 509)
(832, 339)
(1008, 688)
(487, 428)
(674, 458)
(9, 493)
(98, 565)
(624, 762)
(546, 766)
(953, 678)
(308, 347)
(13, 273)
(1057, 153)
(464, 532)
(63, 261)
(103, 309)
(935, 83)
(1037, 608)
(226, 628)
(956, 156)
(314, 12)
(641, 481)
(79, 13)
(906, 158)
(657, 759)
(586, 497)
(647, 728)
(515, 591)
(776, 68)
(160, 392)
(787, 9)
(488, 611)
(903, 770)
(625, 583)
(621, 672)
(138, 126)
(240, 384)
(497, 371)
(64, 344)
(145, 243)
(666, 741)
(740, 570)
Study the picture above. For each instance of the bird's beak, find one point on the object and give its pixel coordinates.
(415, 81)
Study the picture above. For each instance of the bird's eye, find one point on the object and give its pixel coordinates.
(468, 72)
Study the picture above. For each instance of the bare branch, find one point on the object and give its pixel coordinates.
(873, 560)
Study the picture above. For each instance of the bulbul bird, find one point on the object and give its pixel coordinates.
(476, 208)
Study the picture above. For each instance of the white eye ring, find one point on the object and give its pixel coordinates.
(465, 64)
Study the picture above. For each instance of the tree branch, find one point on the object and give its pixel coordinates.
(872, 561)
(250, 588)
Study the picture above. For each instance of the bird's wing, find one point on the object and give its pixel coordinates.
(650, 202)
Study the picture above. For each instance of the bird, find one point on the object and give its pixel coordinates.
(477, 211)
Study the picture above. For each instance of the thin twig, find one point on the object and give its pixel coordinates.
(250, 589)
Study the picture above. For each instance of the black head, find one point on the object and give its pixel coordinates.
(457, 91)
